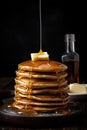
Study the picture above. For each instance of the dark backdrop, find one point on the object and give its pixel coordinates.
(19, 22)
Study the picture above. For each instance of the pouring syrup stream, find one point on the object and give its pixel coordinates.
(40, 25)
(40, 55)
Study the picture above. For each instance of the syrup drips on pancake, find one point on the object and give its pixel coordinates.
(46, 100)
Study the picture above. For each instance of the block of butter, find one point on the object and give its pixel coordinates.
(78, 88)
(39, 56)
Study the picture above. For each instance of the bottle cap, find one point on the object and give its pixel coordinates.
(70, 38)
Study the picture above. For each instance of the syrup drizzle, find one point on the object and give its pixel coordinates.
(40, 25)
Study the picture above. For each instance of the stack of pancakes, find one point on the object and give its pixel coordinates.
(41, 86)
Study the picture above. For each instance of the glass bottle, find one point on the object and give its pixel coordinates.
(71, 59)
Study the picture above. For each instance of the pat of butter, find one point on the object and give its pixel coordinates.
(78, 88)
(39, 56)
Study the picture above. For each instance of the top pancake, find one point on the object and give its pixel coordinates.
(42, 66)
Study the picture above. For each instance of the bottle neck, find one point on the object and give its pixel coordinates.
(70, 47)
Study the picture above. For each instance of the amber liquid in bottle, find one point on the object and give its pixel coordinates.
(71, 59)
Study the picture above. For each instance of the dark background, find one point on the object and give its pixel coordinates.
(19, 23)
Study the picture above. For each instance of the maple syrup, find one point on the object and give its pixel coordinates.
(71, 59)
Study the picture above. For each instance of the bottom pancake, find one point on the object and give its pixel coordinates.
(42, 98)
(30, 108)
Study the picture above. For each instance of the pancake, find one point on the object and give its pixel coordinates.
(33, 110)
(51, 90)
(46, 98)
(39, 83)
(42, 66)
(50, 104)
(38, 75)
(41, 86)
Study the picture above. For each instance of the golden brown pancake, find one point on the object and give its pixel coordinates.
(42, 98)
(39, 75)
(41, 85)
(42, 66)
(51, 90)
(28, 74)
(34, 109)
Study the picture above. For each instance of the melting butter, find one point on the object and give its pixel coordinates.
(39, 56)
